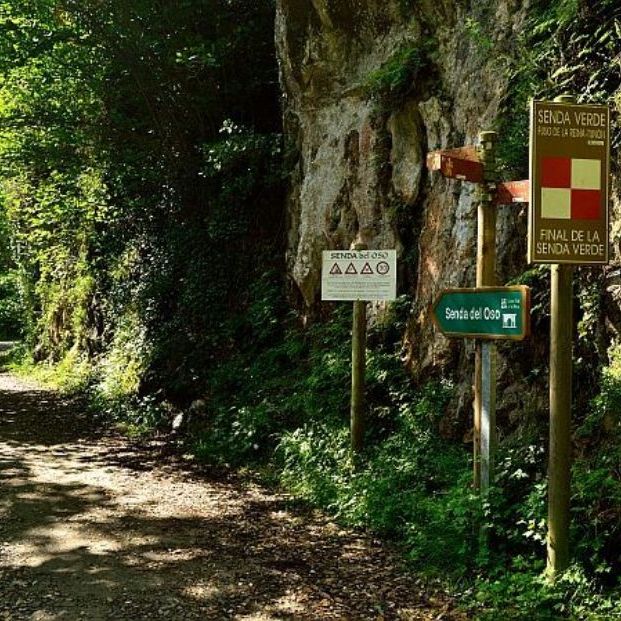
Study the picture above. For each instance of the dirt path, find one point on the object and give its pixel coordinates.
(95, 527)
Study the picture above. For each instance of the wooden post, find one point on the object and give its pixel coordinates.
(358, 368)
(476, 439)
(479, 166)
(488, 413)
(485, 354)
(559, 469)
(561, 363)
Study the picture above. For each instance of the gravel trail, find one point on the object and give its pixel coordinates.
(94, 526)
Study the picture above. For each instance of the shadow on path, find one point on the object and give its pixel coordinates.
(88, 533)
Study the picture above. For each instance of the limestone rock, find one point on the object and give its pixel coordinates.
(360, 155)
(358, 127)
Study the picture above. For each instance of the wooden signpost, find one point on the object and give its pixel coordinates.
(478, 165)
(487, 314)
(358, 275)
(509, 192)
(485, 352)
(463, 163)
(358, 370)
(569, 157)
(568, 225)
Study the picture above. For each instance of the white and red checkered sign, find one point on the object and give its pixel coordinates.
(569, 183)
(571, 188)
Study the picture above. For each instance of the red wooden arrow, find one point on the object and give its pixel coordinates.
(509, 192)
(462, 163)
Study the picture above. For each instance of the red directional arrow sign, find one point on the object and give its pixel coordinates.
(462, 163)
(509, 192)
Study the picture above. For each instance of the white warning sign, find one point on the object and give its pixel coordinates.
(350, 275)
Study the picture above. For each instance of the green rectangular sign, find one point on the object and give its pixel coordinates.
(484, 313)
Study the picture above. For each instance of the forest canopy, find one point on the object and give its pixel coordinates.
(130, 134)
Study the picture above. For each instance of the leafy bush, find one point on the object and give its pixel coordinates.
(397, 76)
(523, 593)
(11, 306)
(596, 500)
(275, 383)
(410, 487)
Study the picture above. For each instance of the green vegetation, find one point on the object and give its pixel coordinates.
(398, 76)
(122, 153)
(566, 46)
(11, 318)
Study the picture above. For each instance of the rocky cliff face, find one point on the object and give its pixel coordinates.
(370, 86)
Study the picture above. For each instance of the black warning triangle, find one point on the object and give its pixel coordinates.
(366, 269)
(336, 269)
(351, 269)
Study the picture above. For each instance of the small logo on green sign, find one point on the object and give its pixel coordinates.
(485, 313)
